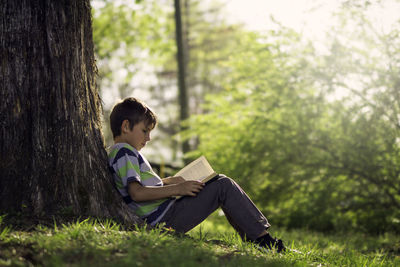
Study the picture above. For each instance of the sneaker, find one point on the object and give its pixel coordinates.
(267, 242)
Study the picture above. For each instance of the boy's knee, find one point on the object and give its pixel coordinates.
(226, 181)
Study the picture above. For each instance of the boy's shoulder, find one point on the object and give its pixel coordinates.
(121, 149)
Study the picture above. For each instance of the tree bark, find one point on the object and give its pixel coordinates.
(52, 151)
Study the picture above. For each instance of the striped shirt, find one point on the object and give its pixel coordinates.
(127, 166)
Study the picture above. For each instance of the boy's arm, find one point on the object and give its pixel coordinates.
(141, 193)
(173, 180)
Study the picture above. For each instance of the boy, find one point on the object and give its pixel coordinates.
(152, 198)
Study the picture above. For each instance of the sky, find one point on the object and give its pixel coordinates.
(296, 14)
(312, 18)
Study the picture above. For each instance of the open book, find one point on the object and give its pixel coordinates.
(199, 170)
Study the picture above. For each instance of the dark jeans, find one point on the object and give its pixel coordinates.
(223, 192)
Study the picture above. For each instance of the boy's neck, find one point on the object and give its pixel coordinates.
(119, 139)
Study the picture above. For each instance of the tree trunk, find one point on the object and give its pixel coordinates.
(52, 151)
(181, 58)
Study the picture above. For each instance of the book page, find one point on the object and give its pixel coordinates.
(196, 170)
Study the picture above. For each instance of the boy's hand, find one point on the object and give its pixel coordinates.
(189, 188)
(173, 180)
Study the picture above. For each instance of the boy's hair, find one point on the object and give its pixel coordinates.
(134, 111)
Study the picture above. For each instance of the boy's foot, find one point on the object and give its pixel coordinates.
(267, 242)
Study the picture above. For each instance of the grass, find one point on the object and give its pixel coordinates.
(213, 243)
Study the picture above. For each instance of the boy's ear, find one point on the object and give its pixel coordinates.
(125, 126)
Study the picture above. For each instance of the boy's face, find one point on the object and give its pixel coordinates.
(138, 136)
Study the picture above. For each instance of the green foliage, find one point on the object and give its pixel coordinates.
(126, 30)
(257, 129)
(128, 38)
(309, 160)
(4, 230)
(363, 129)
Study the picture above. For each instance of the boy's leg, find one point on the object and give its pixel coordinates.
(241, 212)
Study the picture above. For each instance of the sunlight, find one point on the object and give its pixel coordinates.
(311, 18)
(307, 16)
